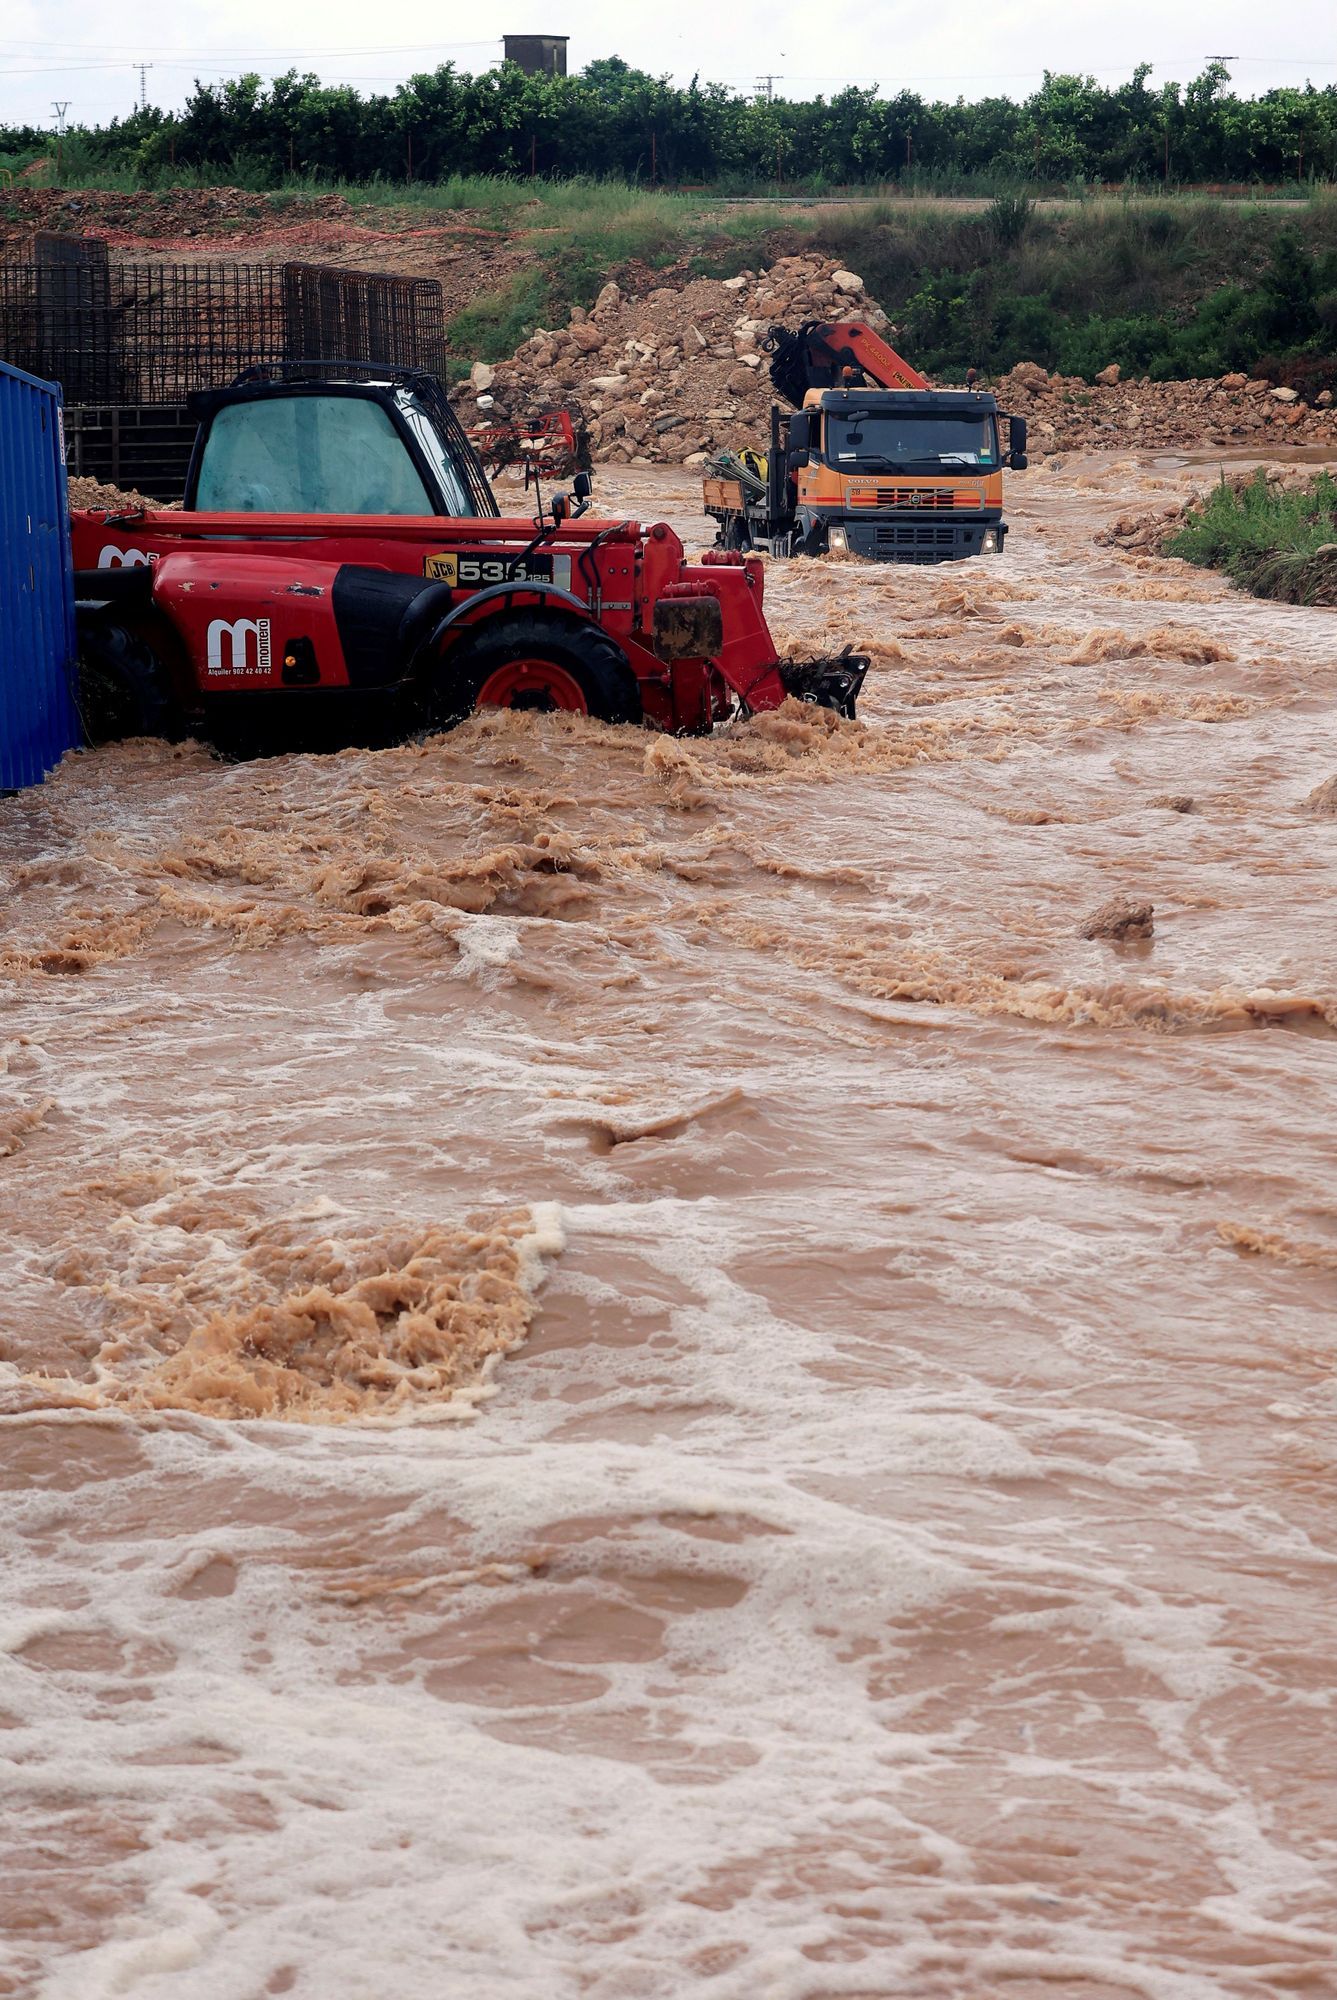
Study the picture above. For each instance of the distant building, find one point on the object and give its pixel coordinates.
(537, 55)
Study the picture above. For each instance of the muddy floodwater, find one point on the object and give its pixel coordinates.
(632, 1369)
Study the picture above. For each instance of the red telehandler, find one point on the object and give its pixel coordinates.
(339, 564)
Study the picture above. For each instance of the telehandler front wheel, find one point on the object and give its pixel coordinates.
(530, 662)
(121, 689)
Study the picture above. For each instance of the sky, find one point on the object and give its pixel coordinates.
(83, 52)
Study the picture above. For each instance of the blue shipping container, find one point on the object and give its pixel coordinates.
(38, 723)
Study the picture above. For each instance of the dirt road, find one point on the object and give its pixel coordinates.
(899, 1559)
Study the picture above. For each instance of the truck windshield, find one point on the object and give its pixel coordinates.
(308, 455)
(884, 441)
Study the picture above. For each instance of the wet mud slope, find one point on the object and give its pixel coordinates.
(635, 1367)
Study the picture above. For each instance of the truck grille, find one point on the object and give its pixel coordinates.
(915, 535)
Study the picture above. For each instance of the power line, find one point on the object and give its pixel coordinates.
(274, 48)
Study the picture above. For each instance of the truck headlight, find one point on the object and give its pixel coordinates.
(989, 546)
(837, 539)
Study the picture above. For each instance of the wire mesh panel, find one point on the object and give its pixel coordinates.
(19, 342)
(72, 285)
(192, 326)
(332, 315)
(115, 332)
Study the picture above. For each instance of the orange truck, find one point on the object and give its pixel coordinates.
(872, 460)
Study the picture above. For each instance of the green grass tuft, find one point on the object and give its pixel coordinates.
(1270, 541)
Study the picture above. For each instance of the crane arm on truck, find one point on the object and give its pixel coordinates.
(835, 354)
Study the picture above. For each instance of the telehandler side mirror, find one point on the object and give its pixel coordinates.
(582, 486)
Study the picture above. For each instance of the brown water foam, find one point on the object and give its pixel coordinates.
(322, 1331)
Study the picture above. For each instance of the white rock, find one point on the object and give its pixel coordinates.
(696, 341)
(750, 360)
(847, 282)
(601, 384)
(734, 284)
(696, 458)
(481, 377)
(1285, 395)
(609, 299)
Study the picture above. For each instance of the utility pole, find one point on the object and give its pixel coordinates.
(60, 106)
(766, 88)
(143, 68)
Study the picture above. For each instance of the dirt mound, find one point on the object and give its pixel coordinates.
(1068, 414)
(93, 496)
(194, 225)
(677, 373)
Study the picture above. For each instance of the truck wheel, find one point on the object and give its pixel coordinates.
(536, 663)
(121, 689)
(734, 534)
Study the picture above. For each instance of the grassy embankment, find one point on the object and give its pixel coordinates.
(1170, 286)
(1270, 541)
(1167, 287)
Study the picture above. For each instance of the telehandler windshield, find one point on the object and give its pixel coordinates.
(310, 454)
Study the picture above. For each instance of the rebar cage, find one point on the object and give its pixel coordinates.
(113, 332)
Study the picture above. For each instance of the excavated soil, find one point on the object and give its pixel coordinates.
(645, 1367)
(676, 374)
(202, 225)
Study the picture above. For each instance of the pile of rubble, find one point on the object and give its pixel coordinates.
(678, 374)
(1067, 414)
(675, 375)
(92, 496)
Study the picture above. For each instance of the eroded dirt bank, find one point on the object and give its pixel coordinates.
(883, 1540)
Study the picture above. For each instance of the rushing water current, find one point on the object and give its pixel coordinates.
(631, 1369)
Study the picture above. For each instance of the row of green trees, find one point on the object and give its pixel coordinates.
(612, 120)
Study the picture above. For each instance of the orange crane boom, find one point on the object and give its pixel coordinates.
(836, 354)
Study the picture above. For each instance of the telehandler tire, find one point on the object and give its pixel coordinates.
(524, 661)
(120, 689)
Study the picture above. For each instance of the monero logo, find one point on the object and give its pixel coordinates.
(242, 658)
(114, 558)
